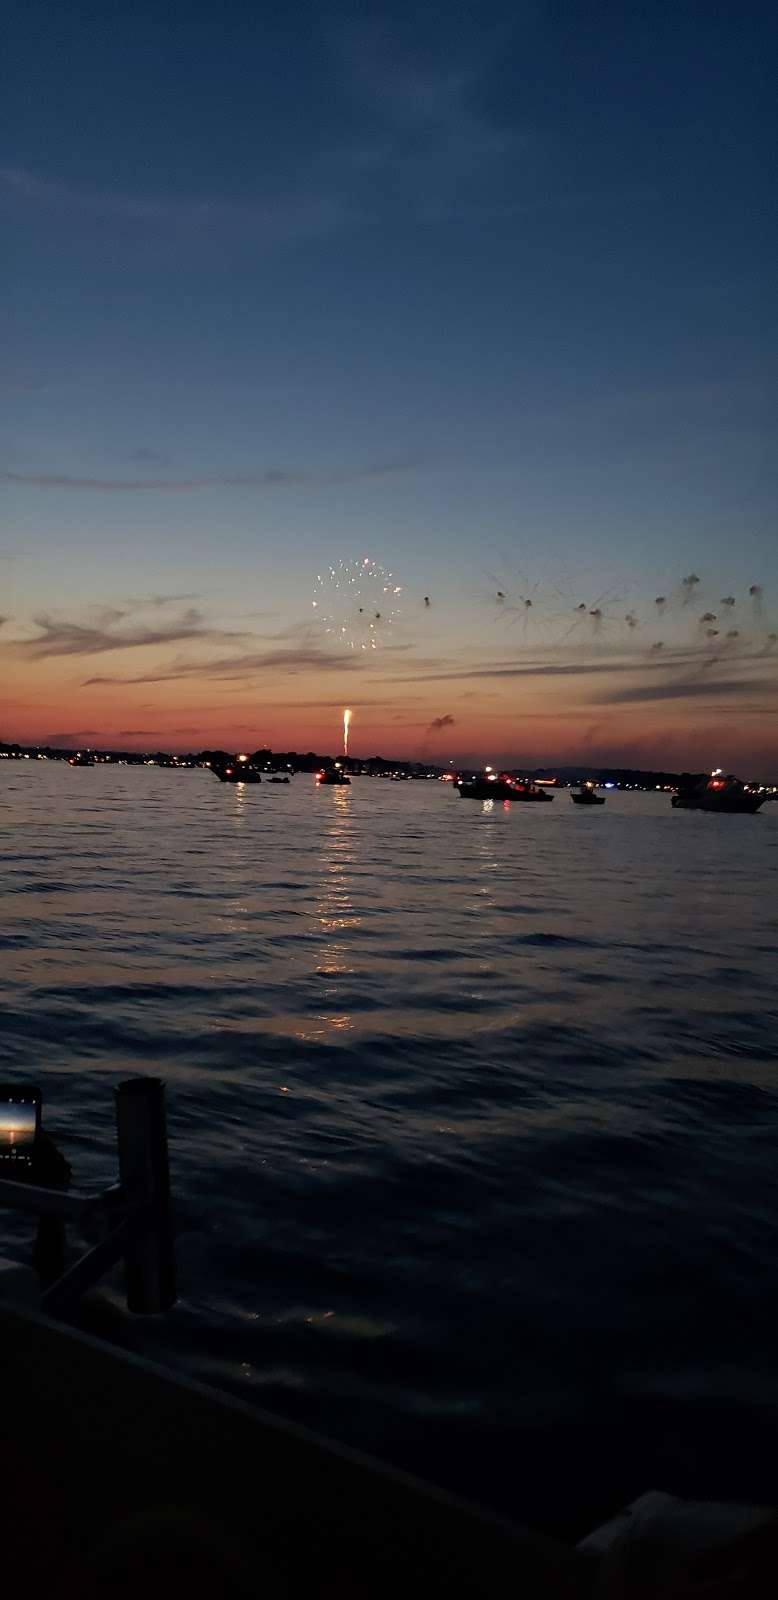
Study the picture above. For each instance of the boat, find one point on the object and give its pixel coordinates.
(489, 786)
(235, 769)
(329, 775)
(718, 792)
(585, 795)
(278, 777)
(83, 759)
(522, 789)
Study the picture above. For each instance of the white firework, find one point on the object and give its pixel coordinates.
(356, 603)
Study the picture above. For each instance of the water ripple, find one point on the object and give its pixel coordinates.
(473, 1113)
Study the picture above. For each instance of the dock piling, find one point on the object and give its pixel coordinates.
(144, 1175)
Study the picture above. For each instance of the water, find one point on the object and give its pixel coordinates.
(472, 1111)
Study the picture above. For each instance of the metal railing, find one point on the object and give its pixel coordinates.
(136, 1210)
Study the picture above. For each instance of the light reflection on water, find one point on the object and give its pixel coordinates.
(335, 913)
(473, 1109)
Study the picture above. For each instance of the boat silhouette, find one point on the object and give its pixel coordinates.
(331, 775)
(719, 792)
(235, 769)
(489, 786)
(585, 795)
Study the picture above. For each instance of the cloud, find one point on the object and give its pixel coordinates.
(270, 478)
(438, 723)
(697, 689)
(149, 458)
(364, 708)
(432, 147)
(145, 601)
(240, 666)
(300, 215)
(682, 660)
(539, 669)
(426, 145)
(158, 733)
(60, 637)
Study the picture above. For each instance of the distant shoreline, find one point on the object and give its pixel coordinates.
(372, 766)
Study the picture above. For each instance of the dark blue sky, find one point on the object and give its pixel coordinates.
(490, 281)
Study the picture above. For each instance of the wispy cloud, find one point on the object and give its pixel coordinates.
(114, 629)
(189, 733)
(295, 216)
(427, 145)
(149, 458)
(270, 478)
(153, 601)
(536, 669)
(431, 145)
(236, 667)
(689, 665)
(700, 688)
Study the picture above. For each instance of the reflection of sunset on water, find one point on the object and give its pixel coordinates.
(335, 909)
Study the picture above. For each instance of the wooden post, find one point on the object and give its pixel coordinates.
(143, 1172)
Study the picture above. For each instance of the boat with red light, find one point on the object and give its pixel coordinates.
(490, 785)
(235, 769)
(721, 792)
(332, 775)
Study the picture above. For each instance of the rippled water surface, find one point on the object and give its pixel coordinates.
(472, 1111)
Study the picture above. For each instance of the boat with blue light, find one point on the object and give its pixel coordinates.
(585, 795)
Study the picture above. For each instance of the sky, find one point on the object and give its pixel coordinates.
(479, 293)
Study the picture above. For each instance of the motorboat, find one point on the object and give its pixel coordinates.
(492, 786)
(719, 792)
(330, 775)
(483, 788)
(586, 795)
(524, 790)
(235, 769)
(278, 777)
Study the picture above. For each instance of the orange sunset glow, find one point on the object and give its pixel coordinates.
(498, 694)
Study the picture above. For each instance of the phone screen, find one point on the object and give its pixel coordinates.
(19, 1122)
